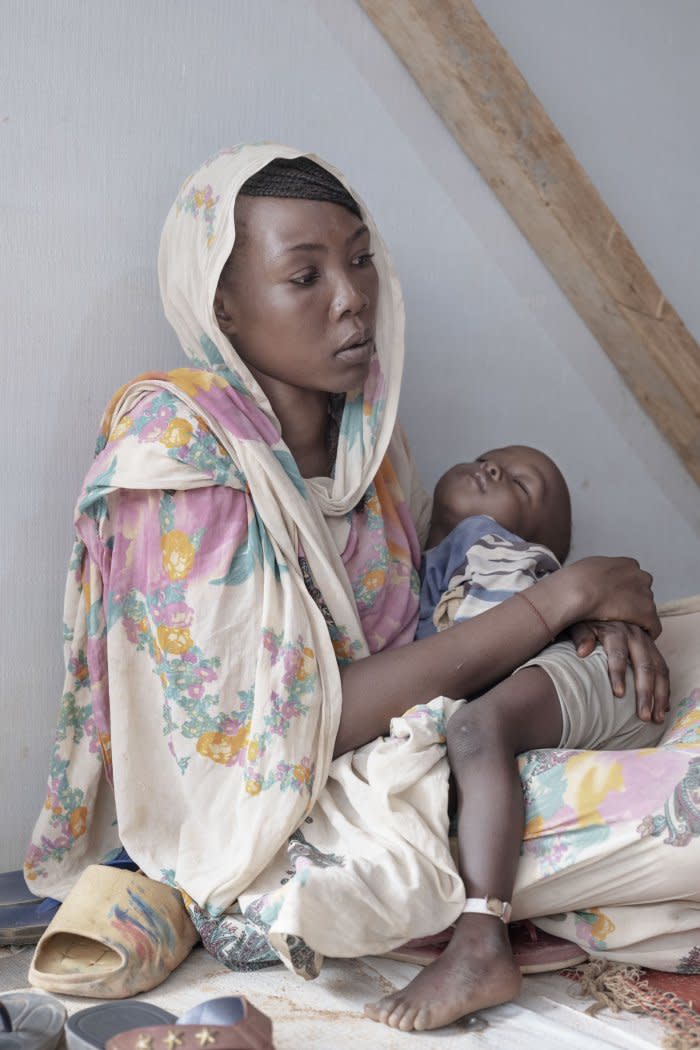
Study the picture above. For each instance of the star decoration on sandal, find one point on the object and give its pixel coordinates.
(144, 1042)
(205, 1037)
(172, 1039)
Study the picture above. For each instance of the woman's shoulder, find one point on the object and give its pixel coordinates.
(153, 432)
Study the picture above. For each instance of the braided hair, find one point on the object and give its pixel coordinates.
(301, 178)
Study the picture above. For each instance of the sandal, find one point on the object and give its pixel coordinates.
(228, 1023)
(538, 952)
(116, 934)
(533, 950)
(30, 1021)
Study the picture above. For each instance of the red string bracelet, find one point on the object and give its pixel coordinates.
(538, 614)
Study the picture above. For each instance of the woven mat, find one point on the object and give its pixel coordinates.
(671, 998)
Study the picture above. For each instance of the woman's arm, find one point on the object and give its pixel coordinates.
(472, 655)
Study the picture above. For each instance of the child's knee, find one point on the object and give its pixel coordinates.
(474, 729)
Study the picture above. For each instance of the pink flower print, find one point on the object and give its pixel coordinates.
(154, 429)
(200, 199)
(239, 414)
(196, 692)
(191, 658)
(132, 629)
(178, 614)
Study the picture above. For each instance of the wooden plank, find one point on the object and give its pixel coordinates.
(487, 105)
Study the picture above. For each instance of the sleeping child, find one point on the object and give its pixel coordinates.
(499, 524)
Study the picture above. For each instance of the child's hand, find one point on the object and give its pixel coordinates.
(624, 643)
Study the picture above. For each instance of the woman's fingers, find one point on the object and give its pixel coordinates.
(627, 644)
(651, 677)
(583, 638)
(614, 641)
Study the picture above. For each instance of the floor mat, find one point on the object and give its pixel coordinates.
(673, 999)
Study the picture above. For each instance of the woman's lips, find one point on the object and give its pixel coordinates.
(357, 354)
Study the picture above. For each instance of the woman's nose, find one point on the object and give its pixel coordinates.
(348, 298)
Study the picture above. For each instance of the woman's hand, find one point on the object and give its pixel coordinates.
(612, 589)
(626, 643)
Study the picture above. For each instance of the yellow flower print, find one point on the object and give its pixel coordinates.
(589, 785)
(342, 648)
(302, 774)
(220, 747)
(178, 433)
(191, 380)
(306, 664)
(253, 749)
(78, 821)
(374, 580)
(178, 555)
(175, 640)
(253, 787)
(603, 926)
(123, 427)
(534, 827)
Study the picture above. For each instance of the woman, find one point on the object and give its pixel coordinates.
(242, 602)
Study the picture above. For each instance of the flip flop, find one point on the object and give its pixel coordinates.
(30, 1021)
(538, 952)
(533, 950)
(228, 1023)
(116, 934)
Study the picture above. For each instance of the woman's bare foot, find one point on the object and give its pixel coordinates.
(476, 970)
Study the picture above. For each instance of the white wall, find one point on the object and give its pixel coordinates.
(106, 105)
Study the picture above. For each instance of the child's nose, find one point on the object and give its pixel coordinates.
(493, 470)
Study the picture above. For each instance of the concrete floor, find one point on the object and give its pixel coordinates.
(327, 1013)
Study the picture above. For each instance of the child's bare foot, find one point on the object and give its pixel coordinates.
(476, 970)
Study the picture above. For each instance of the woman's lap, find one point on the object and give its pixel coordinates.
(612, 841)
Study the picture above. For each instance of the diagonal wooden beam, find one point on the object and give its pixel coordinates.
(474, 87)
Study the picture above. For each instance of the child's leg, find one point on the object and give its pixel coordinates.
(484, 737)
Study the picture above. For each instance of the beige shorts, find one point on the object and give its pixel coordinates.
(593, 718)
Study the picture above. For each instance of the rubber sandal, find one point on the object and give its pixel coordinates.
(13, 890)
(90, 1029)
(228, 1023)
(30, 1021)
(422, 950)
(538, 952)
(25, 923)
(116, 934)
(23, 917)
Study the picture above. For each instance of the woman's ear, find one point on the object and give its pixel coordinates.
(224, 312)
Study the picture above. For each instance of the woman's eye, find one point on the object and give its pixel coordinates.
(363, 259)
(306, 278)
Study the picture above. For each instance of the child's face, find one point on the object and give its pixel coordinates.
(520, 487)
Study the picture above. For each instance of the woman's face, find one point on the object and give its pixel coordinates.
(298, 296)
